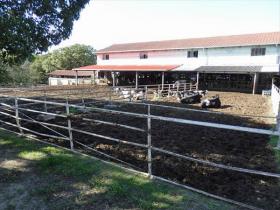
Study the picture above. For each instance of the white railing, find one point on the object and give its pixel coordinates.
(275, 99)
(19, 113)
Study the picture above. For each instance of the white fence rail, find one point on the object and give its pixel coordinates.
(275, 98)
(17, 111)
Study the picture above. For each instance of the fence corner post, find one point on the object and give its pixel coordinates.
(149, 142)
(69, 125)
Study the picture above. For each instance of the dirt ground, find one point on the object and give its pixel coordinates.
(232, 102)
(233, 148)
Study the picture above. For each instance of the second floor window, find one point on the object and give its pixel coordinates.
(143, 55)
(105, 57)
(193, 54)
(258, 51)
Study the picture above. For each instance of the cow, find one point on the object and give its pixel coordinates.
(214, 102)
(189, 97)
(133, 94)
(139, 95)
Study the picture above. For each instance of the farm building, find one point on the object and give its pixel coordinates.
(243, 63)
(68, 77)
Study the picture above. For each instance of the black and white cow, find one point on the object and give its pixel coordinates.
(191, 97)
(214, 102)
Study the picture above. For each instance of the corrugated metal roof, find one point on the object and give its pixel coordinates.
(229, 69)
(128, 67)
(70, 73)
(207, 42)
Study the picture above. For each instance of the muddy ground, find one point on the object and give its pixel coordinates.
(233, 148)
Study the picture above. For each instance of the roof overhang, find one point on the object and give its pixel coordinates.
(70, 73)
(118, 68)
(238, 69)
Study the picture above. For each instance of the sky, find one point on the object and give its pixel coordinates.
(106, 22)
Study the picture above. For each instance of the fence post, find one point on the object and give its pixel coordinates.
(69, 125)
(110, 95)
(278, 126)
(149, 142)
(130, 94)
(168, 94)
(17, 117)
(83, 98)
(146, 92)
(45, 100)
(159, 91)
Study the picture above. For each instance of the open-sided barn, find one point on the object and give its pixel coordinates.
(244, 63)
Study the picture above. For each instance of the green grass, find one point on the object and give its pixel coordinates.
(64, 180)
(273, 143)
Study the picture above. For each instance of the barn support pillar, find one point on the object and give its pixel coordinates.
(136, 79)
(114, 79)
(197, 80)
(76, 76)
(93, 78)
(255, 82)
(162, 80)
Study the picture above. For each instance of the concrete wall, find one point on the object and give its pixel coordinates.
(53, 81)
(209, 56)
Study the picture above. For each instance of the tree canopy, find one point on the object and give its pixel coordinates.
(65, 58)
(31, 26)
(36, 70)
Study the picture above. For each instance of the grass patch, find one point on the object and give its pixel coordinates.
(273, 143)
(64, 180)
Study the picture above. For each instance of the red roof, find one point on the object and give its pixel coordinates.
(207, 42)
(128, 67)
(70, 73)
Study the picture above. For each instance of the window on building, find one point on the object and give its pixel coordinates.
(258, 51)
(105, 57)
(193, 54)
(143, 55)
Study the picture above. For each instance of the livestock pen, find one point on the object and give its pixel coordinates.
(219, 155)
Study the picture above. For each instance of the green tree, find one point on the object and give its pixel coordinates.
(19, 74)
(65, 58)
(72, 57)
(31, 26)
(3, 72)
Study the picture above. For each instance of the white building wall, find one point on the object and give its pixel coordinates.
(53, 81)
(208, 56)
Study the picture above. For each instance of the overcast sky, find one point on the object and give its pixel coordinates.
(105, 22)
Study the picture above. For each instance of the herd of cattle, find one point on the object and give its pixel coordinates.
(185, 97)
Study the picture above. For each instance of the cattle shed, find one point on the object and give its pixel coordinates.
(122, 75)
(69, 77)
(252, 79)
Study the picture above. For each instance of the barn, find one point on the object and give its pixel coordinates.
(243, 63)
